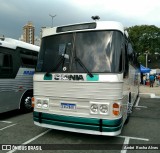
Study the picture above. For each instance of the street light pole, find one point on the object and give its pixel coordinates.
(146, 59)
(146, 53)
(52, 16)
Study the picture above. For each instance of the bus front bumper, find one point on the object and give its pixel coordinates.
(79, 124)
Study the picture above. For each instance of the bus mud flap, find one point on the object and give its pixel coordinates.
(40, 117)
(100, 125)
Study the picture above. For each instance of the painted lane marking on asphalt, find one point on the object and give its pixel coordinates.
(137, 104)
(141, 106)
(29, 141)
(127, 139)
(154, 96)
(151, 95)
(126, 142)
(135, 138)
(6, 122)
(157, 97)
(7, 127)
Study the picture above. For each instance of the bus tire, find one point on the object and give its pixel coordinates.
(26, 102)
(128, 114)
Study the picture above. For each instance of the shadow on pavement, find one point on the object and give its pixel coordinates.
(10, 114)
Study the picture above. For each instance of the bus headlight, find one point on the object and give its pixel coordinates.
(94, 109)
(39, 103)
(103, 109)
(45, 104)
(42, 103)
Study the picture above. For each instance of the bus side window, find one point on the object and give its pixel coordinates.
(6, 65)
(126, 66)
(28, 58)
(1, 60)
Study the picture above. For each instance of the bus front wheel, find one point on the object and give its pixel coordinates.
(26, 103)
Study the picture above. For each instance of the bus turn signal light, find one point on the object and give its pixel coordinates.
(32, 102)
(116, 109)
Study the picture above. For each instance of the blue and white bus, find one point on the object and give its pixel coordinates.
(86, 79)
(17, 65)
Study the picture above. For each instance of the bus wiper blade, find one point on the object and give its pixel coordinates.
(83, 66)
(60, 60)
(58, 64)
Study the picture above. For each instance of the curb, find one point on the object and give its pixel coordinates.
(148, 95)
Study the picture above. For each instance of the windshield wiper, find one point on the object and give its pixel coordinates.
(60, 60)
(83, 66)
(58, 64)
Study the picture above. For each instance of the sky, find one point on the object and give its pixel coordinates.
(14, 14)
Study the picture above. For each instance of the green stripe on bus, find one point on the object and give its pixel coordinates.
(94, 78)
(111, 129)
(79, 120)
(115, 122)
(79, 126)
(47, 76)
(70, 125)
(68, 118)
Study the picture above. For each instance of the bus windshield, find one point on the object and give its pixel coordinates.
(99, 51)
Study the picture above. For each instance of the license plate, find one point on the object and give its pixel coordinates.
(68, 106)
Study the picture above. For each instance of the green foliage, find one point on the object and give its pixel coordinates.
(142, 59)
(145, 38)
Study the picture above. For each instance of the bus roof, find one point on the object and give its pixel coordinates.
(13, 44)
(87, 26)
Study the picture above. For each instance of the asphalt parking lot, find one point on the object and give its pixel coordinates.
(141, 131)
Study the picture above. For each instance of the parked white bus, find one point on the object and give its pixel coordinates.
(17, 65)
(87, 78)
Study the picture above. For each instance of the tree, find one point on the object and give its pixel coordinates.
(145, 38)
(142, 59)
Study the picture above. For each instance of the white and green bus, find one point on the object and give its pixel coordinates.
(17, 65)
(86, 78)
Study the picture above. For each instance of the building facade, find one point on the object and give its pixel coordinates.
(28, 33)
